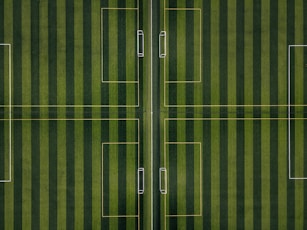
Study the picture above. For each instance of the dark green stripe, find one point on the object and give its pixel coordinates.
(305, 173)
(274, 113)
(52, 51)
(122, 55)
(240, 113)
(189, 25)
(190, 152)
(88, 174)
(70, 175)
(223, 112)
(87, 52)
(206, 63)
(240, 175)
(53, 159)
(305, 113)
(35, 170)
(70, 52)
(172, 193)
(105, 64)
(122, 182)
(240, 55)
(256, 112)
(106, 182)
(290, 183)
(257, 173)
(34, 52)
(17, 125)
(17, 135)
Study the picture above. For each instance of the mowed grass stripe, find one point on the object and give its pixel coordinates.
(231, 125)
(53, 179)
(198, 205)
(44, 126)
(206, 99)
(265, 174)
(44, 174)
(248, 175)
(87, 53)
(17, 131)
(299, 125)
(35, 177)
(17, 220)
(273, 113)
(232, 134)
(223, 74)
(215, 175)
(79, 172)
(190, 56)
(265, 125)
(87, 181)
(35, 132)
(282, 162)
(61, 173)
(70, 175)
(290, 183)
(70, 52)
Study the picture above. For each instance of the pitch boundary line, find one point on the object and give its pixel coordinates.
(138, 61)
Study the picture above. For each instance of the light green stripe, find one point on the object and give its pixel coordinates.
(181, 44)
(26, 174)
(78, 55)
(282, 174)
(181, 55)
(61, 54)
(26, 53)
(248, 53)
(97, 174)
(79, 173)
(96, 56)
(131, 59)
(215, 175)
(299, 172)
(113, 176)
(61, 174)
(249, 178)
(215, 52)
(232, 174)
(113, 62)
(265, 52)
(265, 174)
(282, 52)
(43, 56)
(232, 48)
(44, 175)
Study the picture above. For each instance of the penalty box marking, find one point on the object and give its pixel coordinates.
(200, 176)
(10, 111)
(200, 47)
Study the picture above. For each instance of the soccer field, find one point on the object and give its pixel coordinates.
(153, 114)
